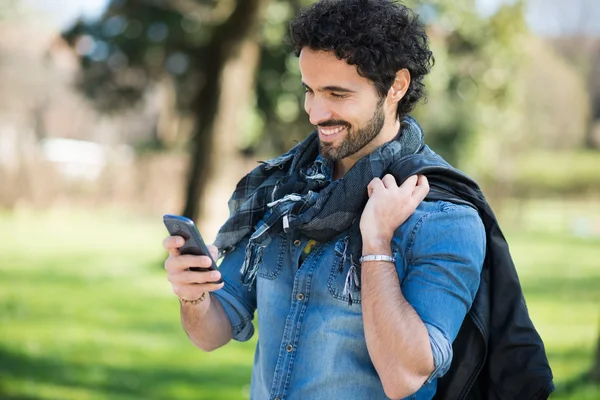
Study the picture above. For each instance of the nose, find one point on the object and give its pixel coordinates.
(318, 111)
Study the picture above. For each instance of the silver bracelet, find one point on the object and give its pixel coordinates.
(377, 257)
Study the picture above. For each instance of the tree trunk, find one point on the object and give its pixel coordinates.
(237, 91)
(224, 43)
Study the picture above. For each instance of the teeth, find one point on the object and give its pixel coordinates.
(328, 132)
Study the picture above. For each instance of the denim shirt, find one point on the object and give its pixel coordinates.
(311, 342)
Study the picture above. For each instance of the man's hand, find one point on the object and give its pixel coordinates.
(189, 285)
(388, 207)
(205, 323)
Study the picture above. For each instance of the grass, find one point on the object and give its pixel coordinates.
(556, 248)
(86, 311)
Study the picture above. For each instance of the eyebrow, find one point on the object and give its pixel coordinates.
(331, 89)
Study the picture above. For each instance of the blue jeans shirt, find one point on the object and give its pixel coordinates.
(311, 342)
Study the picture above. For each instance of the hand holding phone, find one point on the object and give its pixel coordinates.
(194, 244)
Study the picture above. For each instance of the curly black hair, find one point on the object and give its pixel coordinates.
(380, 37)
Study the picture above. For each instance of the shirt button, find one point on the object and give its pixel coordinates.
(300, 296)
(277, 398)
(289, 348)
(297, 242)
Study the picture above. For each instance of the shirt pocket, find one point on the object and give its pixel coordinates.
(271, 260)
(338, 275)
(341, 269)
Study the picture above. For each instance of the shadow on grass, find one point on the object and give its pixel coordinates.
(572, 385)
(571, 289)
(578, 388)
(143, 382)
(566, 389)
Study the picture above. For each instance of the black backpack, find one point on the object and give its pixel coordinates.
(498, 354)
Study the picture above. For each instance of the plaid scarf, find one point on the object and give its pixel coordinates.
(294, 189)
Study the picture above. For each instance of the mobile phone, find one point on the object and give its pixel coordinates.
(194, 244)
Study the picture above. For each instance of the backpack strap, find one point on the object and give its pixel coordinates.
(437, 193)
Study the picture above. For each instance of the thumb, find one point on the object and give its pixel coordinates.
(214, 251)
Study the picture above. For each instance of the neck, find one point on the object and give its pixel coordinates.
(388, 132)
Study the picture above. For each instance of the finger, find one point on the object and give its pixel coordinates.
(409, 183)
(214, 251)
(423, 182)
(374, 185)
(421, 190)
(209, 287)
(194, 277)
(175, 263)
(389, 181)
(172, 244)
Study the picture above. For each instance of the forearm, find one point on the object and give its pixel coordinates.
(206, 324)
(397, 340)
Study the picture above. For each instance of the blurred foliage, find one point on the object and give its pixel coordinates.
(583, 55)
(490, 92)
(545, 173)
(136, 43)
(136, 46)
(555, 104)
(471, 105)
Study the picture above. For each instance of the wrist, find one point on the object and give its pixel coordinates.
(381, 246)
(195, 311)
(195, 303)
(377, 258)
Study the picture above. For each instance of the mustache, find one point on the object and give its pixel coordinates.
(333, 122)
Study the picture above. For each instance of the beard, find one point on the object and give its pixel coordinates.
(355, 139)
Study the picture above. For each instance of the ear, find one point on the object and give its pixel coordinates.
(399, 87)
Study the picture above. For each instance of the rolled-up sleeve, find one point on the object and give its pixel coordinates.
(444, 259)
(237, 300)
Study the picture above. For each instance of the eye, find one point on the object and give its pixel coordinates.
(338, 96)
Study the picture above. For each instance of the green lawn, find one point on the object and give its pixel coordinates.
(86, 311)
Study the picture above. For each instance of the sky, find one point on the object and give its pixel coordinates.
(545, 17)
(64, 12)
(554, 17)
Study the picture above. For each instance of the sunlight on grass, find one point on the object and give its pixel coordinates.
(556, 248)
(86, 311)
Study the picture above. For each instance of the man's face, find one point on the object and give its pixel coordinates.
(344, 106)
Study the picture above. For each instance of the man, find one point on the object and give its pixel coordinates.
(361, 288)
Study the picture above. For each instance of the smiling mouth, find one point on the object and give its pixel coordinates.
(331, 131)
